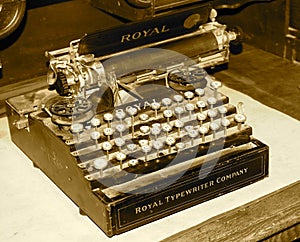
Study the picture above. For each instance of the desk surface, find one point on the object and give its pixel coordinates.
(33, 209)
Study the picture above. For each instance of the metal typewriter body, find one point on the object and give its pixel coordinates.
(135, 135)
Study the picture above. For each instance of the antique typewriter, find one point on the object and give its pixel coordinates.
(132, 127)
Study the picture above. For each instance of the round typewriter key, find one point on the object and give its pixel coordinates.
(189, 95)
(214, 126)
(178, 99)
(107, 146)
(179, 146)
(108, 117)
(157, 145)
(76, 129)
(144, 117)
(192, 134)
(203, 130)
(201, 117)
(155, 106)
(155, 131)
(131, 147)
(120, 114)
(240, 118)
(95, 135)
(215, 85)
(178, 111)
(168, 114)
(119, 142)
(131, 112)
(120, 156)
(212, 113)
(211, 102)
(120, 128)
(145, 129)
(190, 107)
(225, 123)
(157, 125)
(143, 142)
(170, 141)
(166, 128)
(222, 110)
(188, 128)
(178, 124)
(100, 164)
(146, 149)
(108, 132)
(133, 162)
(166, 102)
(95, 122)
(201, 104)
(200, 92)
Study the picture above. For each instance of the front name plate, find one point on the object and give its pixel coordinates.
(251, 167)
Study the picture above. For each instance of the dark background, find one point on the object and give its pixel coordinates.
(267, 68)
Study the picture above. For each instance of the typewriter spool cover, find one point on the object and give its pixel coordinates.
(135, 135)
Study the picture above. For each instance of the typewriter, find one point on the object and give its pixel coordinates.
(132, 128)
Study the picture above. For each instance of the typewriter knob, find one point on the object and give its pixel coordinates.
(190, 107)
(155, 106)
(157, 144)
(222, 110)
(108, 117)
(107, 146)
(212, 113)
(131, 147)
(95, 122)
(119, 142)
(144, 117)
(240, 118)
(133, 162)
(178, 124)
(192, 134)
(95, 135)
(145, 129)
(214, 126)
(108, 132)
(189, 95)
(178, 99)
(201, 117)
(76, 129)
(179, 146)
(225, 123)
(120, 114)
(120, 128)
(146, 149)
(178, 111)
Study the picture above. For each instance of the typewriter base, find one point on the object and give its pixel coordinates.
(126, 212)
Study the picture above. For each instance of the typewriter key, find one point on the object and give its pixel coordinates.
(222, 110)
(107, 146)
(108, 132)
(211, 102)
(100, 164)
(214, 126)
(108, 117)
(157, 144)
(212, 113)
(170, 141)
(168, 114)
(178, 124)
(95, 122)
(166, 102)
(119, 142)
(189, 95)
(155, 106)
(179, 146)
(190, 107)
(200, 92)
(178, 99)
(76, 129)
(225, 123)
(155, 131)
(95, 135)
(192, 134)
(133, 162)
(178, 111)
(145, 129)
(201, 104)
(166, 128)
(143, 142)
(120, 114)
(131, 112)
(120, 128)
(131, 147)
(144, 117)
(201, 117)
(240, 119)
(215, 85)
(146, 149)
(120, 156)
(203, 130)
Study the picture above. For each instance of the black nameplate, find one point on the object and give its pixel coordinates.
(249, 169)
(137, 34)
